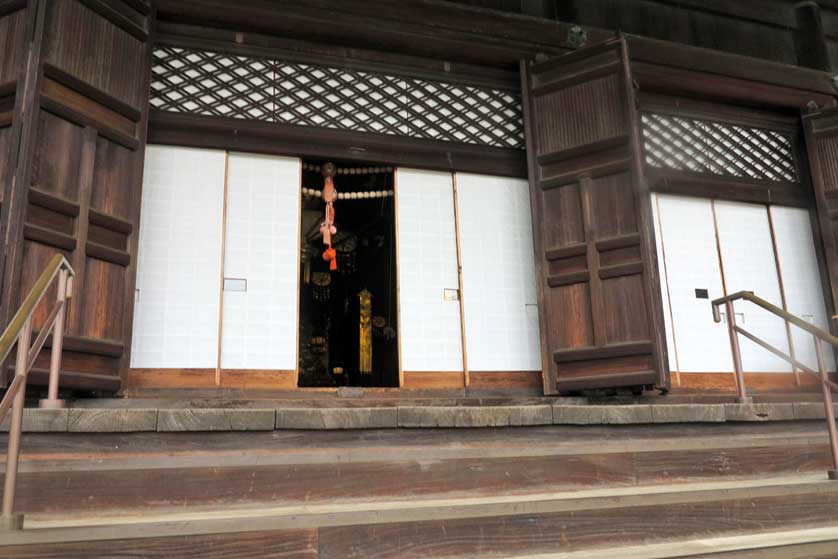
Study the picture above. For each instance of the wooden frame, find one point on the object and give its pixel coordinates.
(399, 349)
(578, 171)
(221, 274)
(305, 141)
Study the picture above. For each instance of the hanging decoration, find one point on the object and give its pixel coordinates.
(327, 228)
(322, 290)
(347, 170)
(365, 195)
(347, 257)
(365, 345)
(318, 345)
(378, 324)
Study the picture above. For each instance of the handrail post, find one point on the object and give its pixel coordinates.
(829, 409)
(742, 395)
(52, 401)
(8, 519)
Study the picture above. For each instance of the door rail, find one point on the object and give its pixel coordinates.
(20, 331)
(820, 337)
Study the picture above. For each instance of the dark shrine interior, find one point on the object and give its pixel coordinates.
(330, 308)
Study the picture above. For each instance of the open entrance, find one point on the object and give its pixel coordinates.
(348, 322)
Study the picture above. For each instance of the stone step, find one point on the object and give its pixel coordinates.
(486, 527)
(260, 416)
(149, 470)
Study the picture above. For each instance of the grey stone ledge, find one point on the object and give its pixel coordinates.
(216, 420)
(601, 415)
(86, 420)
(337, 418)
(37, 420)
(759, 412)
(474, 416)
(688, 413)
(811, 410)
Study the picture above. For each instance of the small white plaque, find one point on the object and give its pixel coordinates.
(235, 284)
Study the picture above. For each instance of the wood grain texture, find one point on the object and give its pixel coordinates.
(288, 544)
(80, 174)
(711, 382)
(822, 147)
(85, 111)
(500, 380)
(499, 536)
(143, 471)
(433, 380)
(87, 46)
(170, 378)
(12, 45)
(593, 259)
(205, 378)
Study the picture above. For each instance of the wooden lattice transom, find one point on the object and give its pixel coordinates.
(254, 88)
(719, 148)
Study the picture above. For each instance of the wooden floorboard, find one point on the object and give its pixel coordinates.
(503, 536)
(122, 490)
(90, 445)
(288, 544)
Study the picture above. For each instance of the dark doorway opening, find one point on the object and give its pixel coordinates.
(334, 328)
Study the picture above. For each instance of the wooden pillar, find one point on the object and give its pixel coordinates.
(22, 79)
(809, 39)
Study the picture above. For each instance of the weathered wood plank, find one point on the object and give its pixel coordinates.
(287, 544)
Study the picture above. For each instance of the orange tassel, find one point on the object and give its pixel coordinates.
(330, 255)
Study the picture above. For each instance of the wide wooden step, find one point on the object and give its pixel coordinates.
(811, 543)
(109, 472)
(486, 527)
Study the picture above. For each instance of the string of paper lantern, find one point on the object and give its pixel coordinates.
(349, 170)
(368, 195)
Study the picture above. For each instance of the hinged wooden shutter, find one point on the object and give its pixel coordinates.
(821, 132)
(600, 306)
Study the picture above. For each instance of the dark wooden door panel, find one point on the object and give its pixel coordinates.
(821, 133)
(12, 44)
(601, 319)
(78, 178)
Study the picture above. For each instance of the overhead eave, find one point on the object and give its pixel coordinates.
(667, 66)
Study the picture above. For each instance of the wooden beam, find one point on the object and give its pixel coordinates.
(307, 141)
(93, 93)
(708, 61)
(85, 111)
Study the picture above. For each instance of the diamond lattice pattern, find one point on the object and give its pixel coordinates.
(706, 146)
(225, 85)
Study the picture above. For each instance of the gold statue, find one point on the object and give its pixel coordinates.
(365, 347)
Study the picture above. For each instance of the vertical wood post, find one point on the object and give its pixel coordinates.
(742, 395)
(52, 401)
(466, 380)
(829, 409)
(8, 520)
(809, 40)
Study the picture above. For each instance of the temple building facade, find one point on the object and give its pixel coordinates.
(534, 205)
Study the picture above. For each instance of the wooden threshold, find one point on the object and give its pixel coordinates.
(756, 382)
(206, 378)
(433, 380)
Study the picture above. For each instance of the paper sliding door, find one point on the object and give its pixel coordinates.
(179, 267)
(501, 312)
(801, 279)
(261, 250)
(431, 335)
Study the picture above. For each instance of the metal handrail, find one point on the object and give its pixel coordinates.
(820, 337)
(20, 331)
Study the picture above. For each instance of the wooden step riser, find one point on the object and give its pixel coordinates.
(73, 490)
(484, 537)
(503, 536)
